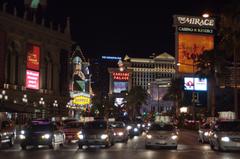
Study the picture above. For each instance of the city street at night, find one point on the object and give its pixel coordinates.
(188, 148)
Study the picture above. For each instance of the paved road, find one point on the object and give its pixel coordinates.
(188, 148)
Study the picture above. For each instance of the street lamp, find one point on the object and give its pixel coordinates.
(24, 99)
(42, 103)
(3, 95)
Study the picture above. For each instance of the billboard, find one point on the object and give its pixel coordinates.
(32, 79)
(33, 56)
(190, 46)
(197, 84)
(118, 87)
(81, 100)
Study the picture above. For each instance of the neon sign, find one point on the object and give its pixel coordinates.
(81, 100)
(33, 55)
(121, 76)
(32, 79)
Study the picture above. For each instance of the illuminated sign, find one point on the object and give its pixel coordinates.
(33, 56)
(111, 57)
(181, 20)
(32, 79)
(197, 84)
(189, 46)
(195, 30)
(118, 87)
(121, 76)
(81, 100)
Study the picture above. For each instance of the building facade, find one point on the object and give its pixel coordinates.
(147, 70)
(34, 71)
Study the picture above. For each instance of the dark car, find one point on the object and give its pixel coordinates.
(133, 129)
(96, 133)
(7, 133)
(41, 133)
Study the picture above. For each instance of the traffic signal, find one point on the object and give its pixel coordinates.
(195, 96)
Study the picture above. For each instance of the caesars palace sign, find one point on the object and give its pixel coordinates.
(180, 20)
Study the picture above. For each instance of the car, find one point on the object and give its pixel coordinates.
(7, 133)
(96, 133)
(133, 130)
(161, 135)
(204, 132)
(71, 130)
(120, 131)
(225, 135)
(41, 133)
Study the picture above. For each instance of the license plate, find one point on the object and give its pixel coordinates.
(161, 142)
(238, 144)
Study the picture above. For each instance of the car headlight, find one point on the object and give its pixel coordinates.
(22, 132)
(4, 133)
(174, 137)
(104, 136)
(135, 129)
(149, 136)
(22, 137)
(138, 125)
(206, 133)
(225, 139)
(120, 133)
(129, 127)
(46, 136)
(80, 135)
(143, 125)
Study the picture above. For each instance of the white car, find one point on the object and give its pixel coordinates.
(162, 135)
(225, 136)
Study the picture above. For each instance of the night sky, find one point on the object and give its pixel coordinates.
(123, 29)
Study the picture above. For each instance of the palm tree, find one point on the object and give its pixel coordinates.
(174, 93)
(211, 64)
(230, 33)
(136, 97)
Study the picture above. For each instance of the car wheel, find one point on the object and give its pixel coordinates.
(147, 146)
(23, 146)
(52, 145)
(174, 147)
(80, 146)
(11, 142)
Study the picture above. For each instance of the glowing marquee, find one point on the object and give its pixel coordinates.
(81, 100)
(32, 79)
(121, 76)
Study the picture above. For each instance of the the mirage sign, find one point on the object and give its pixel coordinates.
(199, 22)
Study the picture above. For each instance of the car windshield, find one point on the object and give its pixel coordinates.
(41, 127)
(228, 126)
(96, 125)
(73, 125)
(162, 127)
(118, 125)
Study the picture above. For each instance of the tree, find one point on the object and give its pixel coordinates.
(174, 93)
(211, 64)
(230, 37)
(135, 99)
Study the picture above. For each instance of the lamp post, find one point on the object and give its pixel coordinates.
(42, 103)
(193, 56)
(55, 106)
